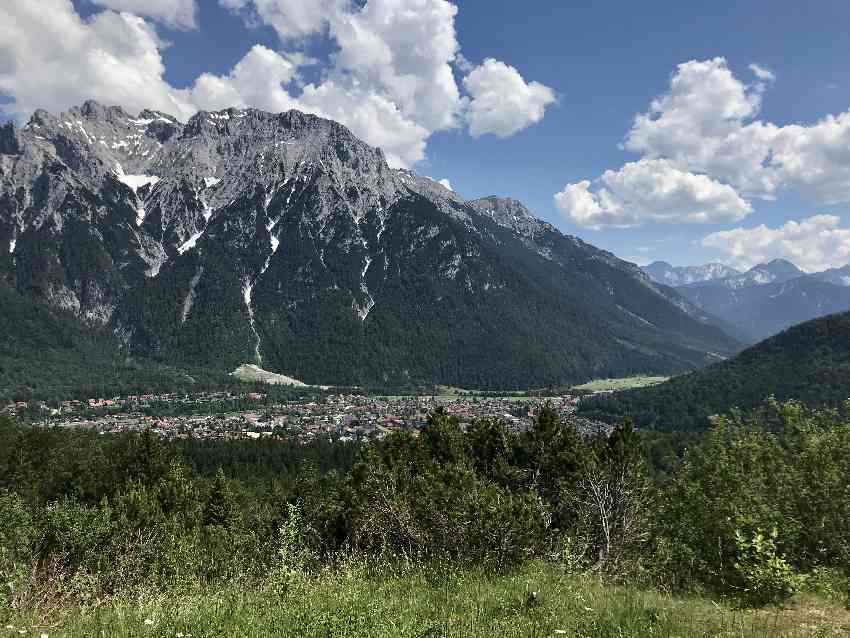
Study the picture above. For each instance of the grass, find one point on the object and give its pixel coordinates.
(615, 385)
(420, 603)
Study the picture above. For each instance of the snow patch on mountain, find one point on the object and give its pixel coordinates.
(190, 243)
(135, 182)
(190, 296)
(247, 292)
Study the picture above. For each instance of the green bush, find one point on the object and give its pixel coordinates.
(765, 575)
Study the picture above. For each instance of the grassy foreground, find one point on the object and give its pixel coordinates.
(417, 602)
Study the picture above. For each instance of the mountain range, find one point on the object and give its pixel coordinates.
(664, 273)
(762, 301)
(283, 241)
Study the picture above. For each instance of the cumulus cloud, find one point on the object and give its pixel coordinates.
(371, 117)
(698, 125)
(179, 14)
(390, 78)
(51, 58)
(290, 18)
(258, 79)
(650, 190)
(707, 124)
(403, 49)
(814, 244)
(503, 103)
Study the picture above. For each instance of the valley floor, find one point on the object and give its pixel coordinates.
(418, 603)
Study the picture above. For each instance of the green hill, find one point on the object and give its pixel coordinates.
(809, 362)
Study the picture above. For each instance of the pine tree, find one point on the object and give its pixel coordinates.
(220, 507)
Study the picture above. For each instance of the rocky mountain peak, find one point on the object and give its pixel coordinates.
(282, 235)
(664, 273)
(510, 213)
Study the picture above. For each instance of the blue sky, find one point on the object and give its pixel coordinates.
(605, 63)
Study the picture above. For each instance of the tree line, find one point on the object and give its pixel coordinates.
(747, 509)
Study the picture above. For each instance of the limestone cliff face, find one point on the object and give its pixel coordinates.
(284, 241)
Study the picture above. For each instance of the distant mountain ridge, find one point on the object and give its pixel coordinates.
(283, 241)
(664, 273)
(768, 298)
(776, 271)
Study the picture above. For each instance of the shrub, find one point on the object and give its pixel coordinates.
(766, 577)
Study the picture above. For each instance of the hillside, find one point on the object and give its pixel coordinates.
(809, 362)
(283, 241)
(46, 353)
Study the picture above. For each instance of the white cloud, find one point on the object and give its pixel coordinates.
(706, 126)
(371, 117)
(390, 79)
(698, 125)
(50, 58)
(445, 183)
(180, 14)
(706, 123)
(399, 50)
(814, 244)
(463, 63)
(403, 49)
(762, 73)
(258, 79)
(502, 102)
(292, 19)
(650, 190)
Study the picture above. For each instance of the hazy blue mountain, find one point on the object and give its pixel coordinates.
(663, 273)
(769, 298)
(837, 276)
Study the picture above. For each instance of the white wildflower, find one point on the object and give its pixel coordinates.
(148, 622)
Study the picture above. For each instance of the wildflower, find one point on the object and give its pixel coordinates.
(560, 631)
(44, 636)
(588, 609)
(148, 622)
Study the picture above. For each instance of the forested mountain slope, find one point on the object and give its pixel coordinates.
(283, 240)
(46, 353)
(809, 362)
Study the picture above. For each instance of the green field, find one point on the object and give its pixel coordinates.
(414, 602)
(615, 385)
